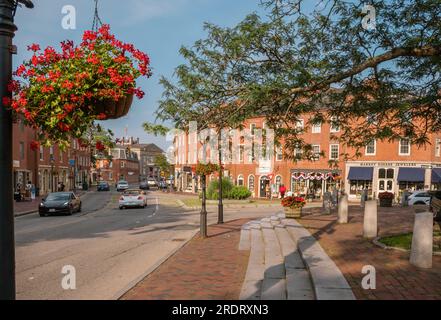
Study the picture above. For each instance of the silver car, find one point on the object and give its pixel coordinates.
(133, 199)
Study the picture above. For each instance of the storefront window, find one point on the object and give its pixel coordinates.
(358, 186)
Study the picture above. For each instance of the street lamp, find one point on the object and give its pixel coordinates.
(7, 240)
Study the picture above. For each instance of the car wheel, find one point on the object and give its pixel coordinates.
(121, 208)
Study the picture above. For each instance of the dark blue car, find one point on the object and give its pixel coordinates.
(103, 186)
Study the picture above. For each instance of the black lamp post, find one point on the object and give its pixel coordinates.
(203, 224)
(7, 240)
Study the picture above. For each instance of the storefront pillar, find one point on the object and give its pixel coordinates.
(428, 179)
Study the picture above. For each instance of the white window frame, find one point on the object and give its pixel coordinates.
(334, 129)
(241, 177)
(375, 150)
(317, 128)
(279, 153)
(330, 151)
(400, 145)
(317, 158)
(252, 129)
(254, 182)
(438, 147)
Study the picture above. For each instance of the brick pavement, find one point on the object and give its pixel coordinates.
(210, 269)
(396, 278)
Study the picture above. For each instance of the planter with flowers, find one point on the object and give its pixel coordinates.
(386, 199)
(293, 207)
(62, 93)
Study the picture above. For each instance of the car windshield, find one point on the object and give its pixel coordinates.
(132, 193)
(122, 182)
(103, 183)
(58, 197)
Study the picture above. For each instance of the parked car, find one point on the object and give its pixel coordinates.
(144, 185)
(60, 202)
(133, 198)
(419, 198)
(152, 183)
(103, 186)
(122, 185)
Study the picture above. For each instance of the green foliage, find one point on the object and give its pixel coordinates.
(239, 193)
(165, 167)
(288, 63)
(213, 189)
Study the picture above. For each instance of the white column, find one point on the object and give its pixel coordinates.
(343, 209)
(370, 223)
(428, 179)
(422, 241)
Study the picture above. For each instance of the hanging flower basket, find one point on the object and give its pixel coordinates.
(63, 92)
(111, 109)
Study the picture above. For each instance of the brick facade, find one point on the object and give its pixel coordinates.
(313, 178)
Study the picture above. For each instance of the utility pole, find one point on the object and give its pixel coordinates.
(7, 240)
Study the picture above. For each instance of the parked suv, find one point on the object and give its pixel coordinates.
(419, 198)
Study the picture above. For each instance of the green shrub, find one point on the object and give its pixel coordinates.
(213, 189)
(239, 193)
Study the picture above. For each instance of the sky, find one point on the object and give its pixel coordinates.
(157, 27)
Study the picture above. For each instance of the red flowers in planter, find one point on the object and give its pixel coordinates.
(59, 91)
(100, 146)
(293, 202)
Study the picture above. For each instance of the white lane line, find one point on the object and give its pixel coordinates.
(157, 207)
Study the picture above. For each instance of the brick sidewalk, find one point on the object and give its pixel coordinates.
(396, 278)
(211, 269)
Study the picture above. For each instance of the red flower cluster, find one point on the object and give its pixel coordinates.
(73, 81)
(35, 145)
(293, 202)
(100, 146)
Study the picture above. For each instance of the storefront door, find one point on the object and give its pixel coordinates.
(264, 181)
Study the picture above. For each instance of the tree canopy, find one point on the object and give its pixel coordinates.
(324, 62)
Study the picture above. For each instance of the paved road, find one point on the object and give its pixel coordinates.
(109, 248)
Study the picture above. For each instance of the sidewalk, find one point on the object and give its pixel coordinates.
(210, 269)
(396, 277)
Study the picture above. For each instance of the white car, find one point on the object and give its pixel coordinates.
(419, 198)
(133, 199)
(122, 185)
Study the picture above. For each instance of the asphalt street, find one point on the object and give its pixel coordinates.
(110, 249)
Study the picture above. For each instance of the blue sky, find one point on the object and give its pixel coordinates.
(158, 27)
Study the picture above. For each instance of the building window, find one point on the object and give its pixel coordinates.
(386, 173)
(316, 152)
(298, 152)
(22, 151)
(335, 127)
(404, 148)
(240, 181)
(123, 164)
(252, 128)
(334, 152)
(61, 156)
(241, 153)
(279, 154)
(317, 128)
(251, 183)
(41, 153)
(371, 148)
(438, 148)
(278, 183)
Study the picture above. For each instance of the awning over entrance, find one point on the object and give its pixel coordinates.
(436, 176)
(411, 174)
(361, 173)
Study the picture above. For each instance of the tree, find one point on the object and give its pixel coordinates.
(323, 62)
(164, 166)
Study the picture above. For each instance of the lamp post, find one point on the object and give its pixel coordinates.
(203, 222)
(52, 160)
(7, 240)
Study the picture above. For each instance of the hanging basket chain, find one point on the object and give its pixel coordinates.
(96, 19)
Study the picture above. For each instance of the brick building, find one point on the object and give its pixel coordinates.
(384, 166)
(124, 165)
(47, 166)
